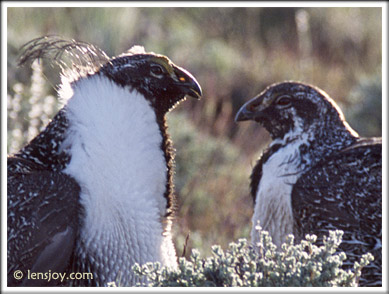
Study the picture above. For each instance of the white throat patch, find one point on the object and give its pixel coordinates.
(273, 206)
(116, 157)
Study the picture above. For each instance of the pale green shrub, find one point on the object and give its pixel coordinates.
(294, 265)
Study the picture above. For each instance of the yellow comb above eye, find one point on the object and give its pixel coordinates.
(164, 61)
(182, 79)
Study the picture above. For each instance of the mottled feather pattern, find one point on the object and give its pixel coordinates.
(28, 212)
(337, 175)
(344, 192)
(46, 148)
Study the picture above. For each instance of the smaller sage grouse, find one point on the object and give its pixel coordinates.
(317, 174)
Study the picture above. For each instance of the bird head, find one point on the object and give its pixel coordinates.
(155, 76)
(292, 108)
(162, 82)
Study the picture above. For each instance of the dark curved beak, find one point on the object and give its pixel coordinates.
(187, 82)
(250, 110)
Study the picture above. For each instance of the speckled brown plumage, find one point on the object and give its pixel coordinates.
(332, 178)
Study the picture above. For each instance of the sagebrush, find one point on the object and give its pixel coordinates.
(241, 265)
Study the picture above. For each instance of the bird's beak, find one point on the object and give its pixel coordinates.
(187, 83)
(251, 110)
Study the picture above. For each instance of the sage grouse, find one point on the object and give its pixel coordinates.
(93, 192)
(317, 174)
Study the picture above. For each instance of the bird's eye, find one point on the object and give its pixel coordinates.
(284, 101)
(156, 70)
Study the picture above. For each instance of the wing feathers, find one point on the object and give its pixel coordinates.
(43, 214)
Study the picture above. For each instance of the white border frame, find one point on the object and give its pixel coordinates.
(6, 4)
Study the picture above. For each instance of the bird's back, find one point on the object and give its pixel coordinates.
(343, 191)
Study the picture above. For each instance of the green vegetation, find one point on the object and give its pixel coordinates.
(234, 53)
(211, 180)
(300, 265)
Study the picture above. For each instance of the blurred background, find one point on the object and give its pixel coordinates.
(234, 53)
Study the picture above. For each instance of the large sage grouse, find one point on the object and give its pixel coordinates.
(93, 192)
(317, 174)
